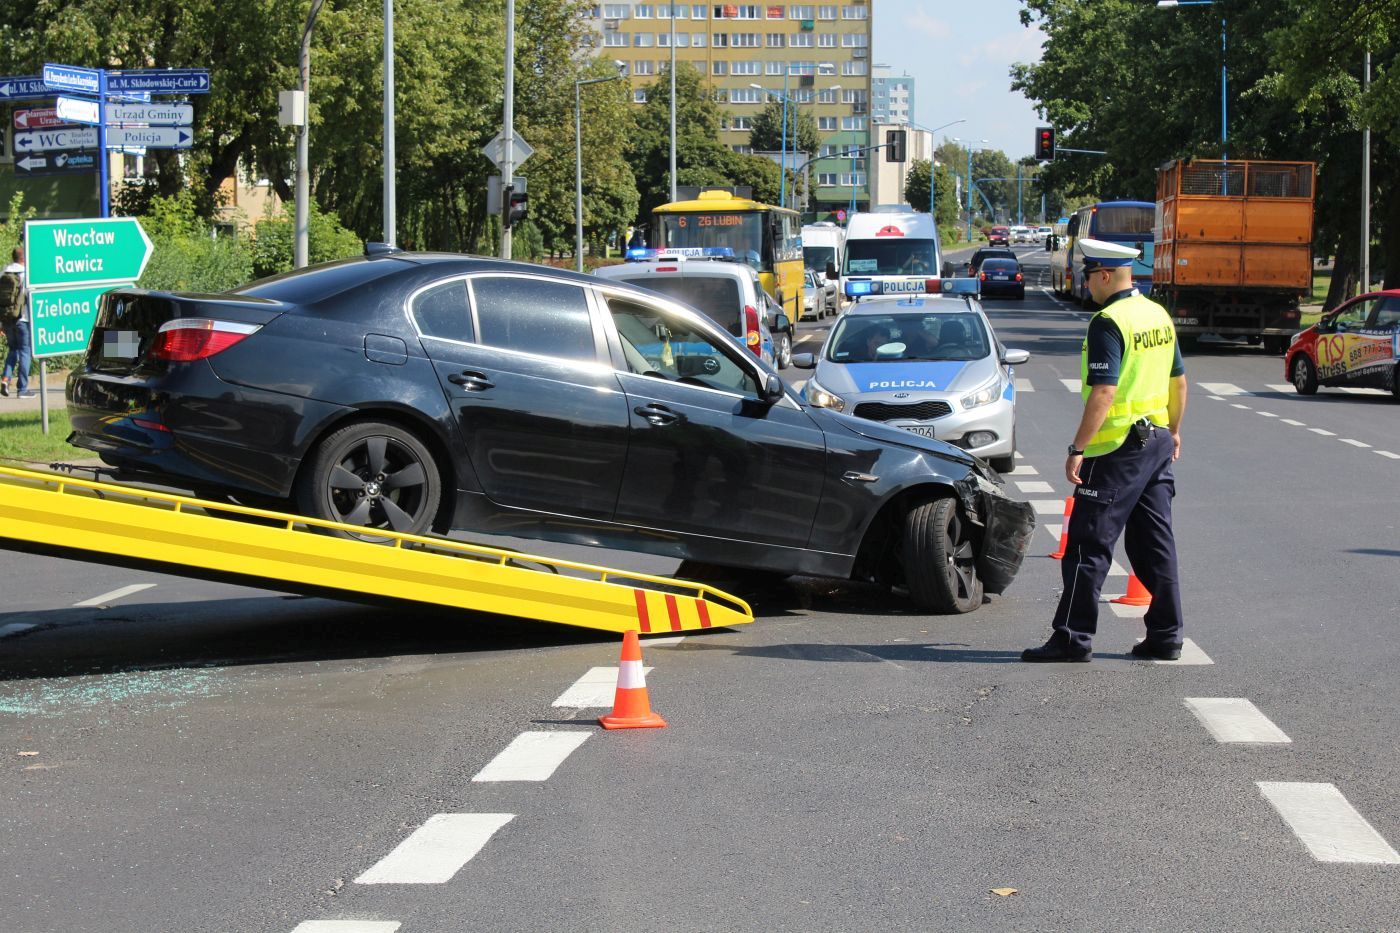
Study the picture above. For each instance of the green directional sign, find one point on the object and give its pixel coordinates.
(98, 251)
(61, 319)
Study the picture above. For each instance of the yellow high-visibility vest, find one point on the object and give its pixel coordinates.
(1149, 348)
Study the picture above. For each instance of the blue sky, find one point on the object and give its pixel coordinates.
(960, 52)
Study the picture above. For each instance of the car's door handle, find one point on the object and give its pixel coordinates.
(658, 415)
(472, 382)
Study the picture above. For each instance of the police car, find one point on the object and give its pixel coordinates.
(928, 364)
(891, 251)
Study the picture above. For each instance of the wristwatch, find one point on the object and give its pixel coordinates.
(1075, 451)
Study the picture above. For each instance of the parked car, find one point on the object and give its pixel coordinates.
(817, 300)
(998, 276)
(999, 236)
(433, 391)
(929, 365)
(725, 291)
(1357, 345)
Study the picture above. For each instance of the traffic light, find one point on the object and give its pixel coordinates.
(517, 198)
(896, 142)
(1045, 143)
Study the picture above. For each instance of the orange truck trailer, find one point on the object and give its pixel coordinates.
(1234, 247)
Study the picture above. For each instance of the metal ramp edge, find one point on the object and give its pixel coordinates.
(108, 523)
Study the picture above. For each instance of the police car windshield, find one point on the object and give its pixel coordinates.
(890, 256)
(908, 336)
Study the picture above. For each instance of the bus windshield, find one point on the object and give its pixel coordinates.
(1115, 221)
(890, 256)
(738, 230)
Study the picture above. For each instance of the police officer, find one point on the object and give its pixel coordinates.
(1134, 389)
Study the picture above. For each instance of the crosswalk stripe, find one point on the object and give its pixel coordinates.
(594, 690)
(1281, 387)
(1347, 440)
(1023, 385)
(1053, 528)
(532, 756)
(1074, 385)
(1352, 390)
(347, 926)
(1222, 388)
(1296, 424)
(1191, 655)
(1235, 719)
(1024, 469)
(1048, 506)
(437, 850)
(1329, 826)
(1322, 432)
(113, 596)
(1034, 485)
(1122, 611)
(1386, 453)
(1115, 569)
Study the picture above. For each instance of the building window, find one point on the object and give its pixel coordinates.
(800, 40)
(853, 124)
(616, 11)
(742, 149)
(775, 12)
(746, 68)
(644, 68)
(742, 123)
(826, 97)
(826, 12)
(826, 179)
(721, 68)
(663, 40)
(615, 39)
(775, 68)
(697, 41)
(826, 40)
(642, 11)
(721, 40)
(800, 12)
(826, 68)
(827, 124)
(853, 97)
(642, 40)
(802, 96)
(697, 11)
(669, 11)
(853, 40)
(854, 12)
(682, 40)
(745, 40)
(853, 68)
(745, 95)
(856, 180)
(825, 151)
(775, 40)
(639, 96)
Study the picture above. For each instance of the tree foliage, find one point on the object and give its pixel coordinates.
(766, 131)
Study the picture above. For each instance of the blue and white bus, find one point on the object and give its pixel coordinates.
(1128, 222)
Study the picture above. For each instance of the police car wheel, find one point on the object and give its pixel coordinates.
(1304, 376)
(940, 558)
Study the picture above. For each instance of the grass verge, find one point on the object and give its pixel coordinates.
(22, 437)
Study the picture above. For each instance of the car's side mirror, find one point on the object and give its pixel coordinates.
(772, 390)
(1015, 357)
(804, 360)
(781, 324)
(831, 271)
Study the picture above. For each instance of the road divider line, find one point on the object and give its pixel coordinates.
(347, 926)
(1388, 454)
(1238, 405)
(1074, 385)
(1216, 398)
(113, 596)
(532, 756)
(1191, 655)
(1296, 424)
(1235, 719)
(1032, 485)
(437, 850)
(1322, 432)
(1347, 440)
(1266, 414)
(594, 690)
(1222, 388)
(1024, 469)
(1328, 825)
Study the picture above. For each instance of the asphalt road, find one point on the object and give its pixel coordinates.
(199, 757)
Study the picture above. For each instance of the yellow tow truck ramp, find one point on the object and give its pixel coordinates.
(106, 523)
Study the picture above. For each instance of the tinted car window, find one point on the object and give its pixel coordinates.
(533, 316)
(656, 344)
(1004, 265)
(1389, 312)
(718, 299)
(443, 311)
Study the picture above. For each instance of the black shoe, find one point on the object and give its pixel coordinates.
(1160, 651)
(1055, 650)
(5, 389)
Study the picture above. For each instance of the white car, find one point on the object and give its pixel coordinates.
(1042, 235)
(929, 364)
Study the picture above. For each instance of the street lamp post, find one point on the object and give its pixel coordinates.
(970, 150)
(578, 162)
(301, 244)
(1170, 4)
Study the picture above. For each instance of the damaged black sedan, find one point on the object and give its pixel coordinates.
(435, 392)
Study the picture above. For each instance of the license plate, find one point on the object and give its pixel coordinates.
(919, 429)
(120, 344)
(1001, 278)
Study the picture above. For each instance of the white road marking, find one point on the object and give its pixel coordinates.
(532, 756)
(1020, 456)
(437, 850)
(347, 926)
(1216, 398)
(1386, 453)
(1327, 824)
(1266, 414)
(1115, 569)
(1281, 387)
(663, 642)
(1222, 388)
(1296, 424)
(594, 690)
(113, 596)
(1235, 719)
(1322, 432)
(1238, 405)
(1023, 385)
(1347, 440)
(1033, 485)
(1191, 655)
(1354, 391)
(1053, 529)
(1122, 611)
(1024, 469)
(1074, 385)
(1048, 506)
(14, 628)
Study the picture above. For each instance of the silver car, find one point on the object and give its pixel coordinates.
(929, 364)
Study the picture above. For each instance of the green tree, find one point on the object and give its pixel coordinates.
(766, 131)
(916, 194)
(701, 159)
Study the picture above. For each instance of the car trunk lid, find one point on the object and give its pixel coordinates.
(139, 331)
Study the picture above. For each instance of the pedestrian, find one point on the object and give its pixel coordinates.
(1120, 463)
(14, 316)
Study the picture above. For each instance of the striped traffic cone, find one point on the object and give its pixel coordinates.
(1064, 529)
(1137, 594)
(631, 706)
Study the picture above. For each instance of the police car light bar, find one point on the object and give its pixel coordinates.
(961, 287)
(680, 252)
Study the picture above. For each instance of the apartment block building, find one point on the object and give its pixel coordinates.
(891, 96)
(818, 55)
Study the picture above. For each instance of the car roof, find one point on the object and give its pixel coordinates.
(686, 268)
(889, 304)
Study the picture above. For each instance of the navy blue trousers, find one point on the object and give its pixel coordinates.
(1127, 492)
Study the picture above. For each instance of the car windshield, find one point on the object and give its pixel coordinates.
(816, 257)
(1001, 265)
(911, 335)
(717, 298)
(891, 256)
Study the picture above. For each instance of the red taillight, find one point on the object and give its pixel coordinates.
(184, 340)
(932, 286)
(666, 269)
(1018, 277)
(752, 337)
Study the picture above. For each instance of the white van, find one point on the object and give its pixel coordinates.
(891, 253)
(822, 242)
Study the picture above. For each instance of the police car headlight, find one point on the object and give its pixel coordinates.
(819, 397)
(983, 394)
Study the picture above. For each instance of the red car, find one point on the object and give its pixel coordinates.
(1356, 345)
(999, 235)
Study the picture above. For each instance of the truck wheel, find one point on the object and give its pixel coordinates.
(371, 474)
(1304, 376)
(940, 562)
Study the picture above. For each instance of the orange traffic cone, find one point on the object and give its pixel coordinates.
(1064, 529)
(1137, 594)
(631, 707)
